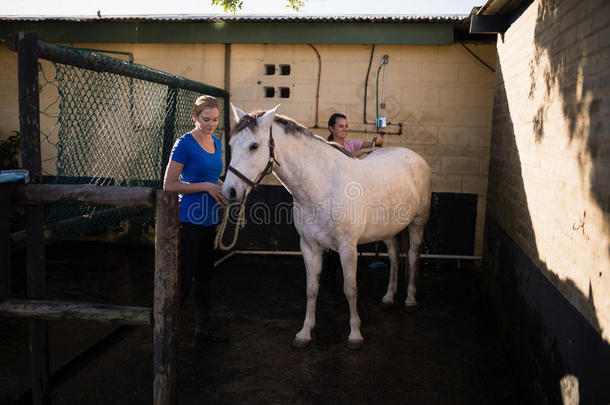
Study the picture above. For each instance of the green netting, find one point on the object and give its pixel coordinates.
(114, 130)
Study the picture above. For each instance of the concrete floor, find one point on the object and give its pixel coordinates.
(443, 353)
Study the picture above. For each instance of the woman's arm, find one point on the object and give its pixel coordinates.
(363, 150)
(368, 147)
(378, 142)
(171, 182)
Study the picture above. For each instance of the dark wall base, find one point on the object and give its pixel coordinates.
(450, 229)
(545, 336)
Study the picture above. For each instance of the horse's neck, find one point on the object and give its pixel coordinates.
(307, 166)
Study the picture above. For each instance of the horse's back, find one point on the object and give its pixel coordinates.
(400, 162)
(403, 169)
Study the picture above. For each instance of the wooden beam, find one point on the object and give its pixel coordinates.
(488, 24)
(251, 32)
(29, 125)
(84, 194)
(88, 311)
(167, 296)
(55, 231)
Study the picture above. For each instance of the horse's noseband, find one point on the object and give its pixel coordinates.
(267, 170)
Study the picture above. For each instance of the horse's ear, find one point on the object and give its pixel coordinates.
(237, 113)
(266, 119)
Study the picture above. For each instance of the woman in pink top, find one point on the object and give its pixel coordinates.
(338, 127)
(331, 276)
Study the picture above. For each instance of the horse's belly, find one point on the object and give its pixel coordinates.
(374, 231)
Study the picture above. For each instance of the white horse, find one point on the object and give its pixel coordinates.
(339, 201)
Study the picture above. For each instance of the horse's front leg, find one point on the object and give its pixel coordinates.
(313, 265)
(349, 258)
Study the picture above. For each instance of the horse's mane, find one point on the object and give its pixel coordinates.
(249, 121)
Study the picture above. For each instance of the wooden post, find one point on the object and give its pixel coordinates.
(29, 124)
(171, 103)
(167, 295)
(5, 242)
(227, 128)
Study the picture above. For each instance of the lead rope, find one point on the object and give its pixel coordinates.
(241, 222)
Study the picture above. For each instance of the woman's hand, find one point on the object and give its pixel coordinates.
(360, 152)
(215, 190)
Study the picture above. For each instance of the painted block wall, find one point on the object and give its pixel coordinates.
(549, 179)
(441, 94)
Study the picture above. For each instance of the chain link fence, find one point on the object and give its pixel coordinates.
(110, 122)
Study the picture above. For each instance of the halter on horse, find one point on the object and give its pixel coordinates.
(339, 201)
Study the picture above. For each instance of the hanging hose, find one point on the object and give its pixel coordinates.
(239, 224)
(384, 61)
(366, 83)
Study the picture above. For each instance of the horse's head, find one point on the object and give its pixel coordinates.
(251, 154)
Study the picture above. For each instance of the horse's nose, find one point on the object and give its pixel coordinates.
(232, 193)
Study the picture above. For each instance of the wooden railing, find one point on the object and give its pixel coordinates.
(35, 308)
(163, 316)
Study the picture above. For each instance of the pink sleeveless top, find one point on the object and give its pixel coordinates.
(352, 145)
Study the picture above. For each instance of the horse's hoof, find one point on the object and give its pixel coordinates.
(354, 344)
(410, 306)
(387, 304)
(300, 344)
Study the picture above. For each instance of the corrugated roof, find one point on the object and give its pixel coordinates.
(492, 7)
(375, 18)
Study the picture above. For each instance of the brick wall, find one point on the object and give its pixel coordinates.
(549, 177)
(441, 94)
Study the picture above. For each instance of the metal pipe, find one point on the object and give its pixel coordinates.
(384, 61)
(224, 258)
(385, 67)
(129, 54)
(318, 87)
(298, 253)
(366, 83)
(102, 63)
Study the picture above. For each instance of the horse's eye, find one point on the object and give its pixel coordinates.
(254, 146)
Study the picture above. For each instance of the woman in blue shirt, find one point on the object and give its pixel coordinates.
(193, 171)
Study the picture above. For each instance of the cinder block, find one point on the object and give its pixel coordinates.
(476, 73)
(444, 183)
(439, 72)
(416, 95)
(425, 116)
(474, 184)
(479, 97)
(452, 96)
(460, 165)
(464, 135)
(423, 135)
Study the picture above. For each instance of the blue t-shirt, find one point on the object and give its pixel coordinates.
(199, 166)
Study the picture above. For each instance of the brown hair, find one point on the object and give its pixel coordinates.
(331, 123)
(204, 102)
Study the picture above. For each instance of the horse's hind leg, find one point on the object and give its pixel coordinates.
(313, 265)
(394, 253)
(348, 263)
(416, 235)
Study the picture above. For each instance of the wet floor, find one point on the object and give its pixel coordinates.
(443, 353)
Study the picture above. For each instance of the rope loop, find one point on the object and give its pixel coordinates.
(239, 224)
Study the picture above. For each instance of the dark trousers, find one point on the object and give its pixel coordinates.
(197, 256)
(331, 278)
